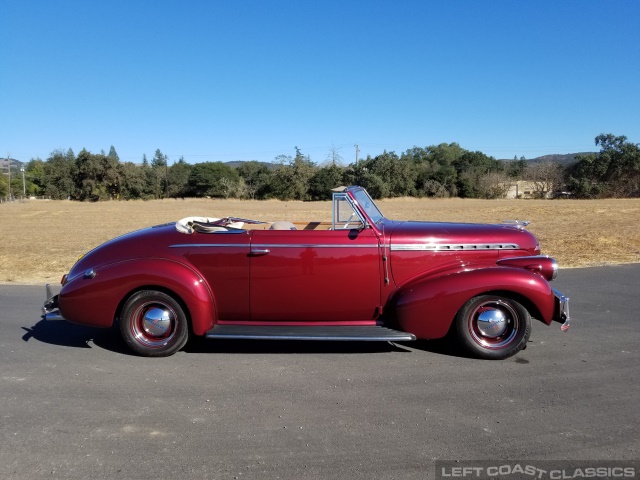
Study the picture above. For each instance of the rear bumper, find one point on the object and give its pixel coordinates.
(562, 310)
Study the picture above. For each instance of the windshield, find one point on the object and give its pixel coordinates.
(367, 204)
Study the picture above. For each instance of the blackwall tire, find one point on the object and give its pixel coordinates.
(153, 324)
(493, 327)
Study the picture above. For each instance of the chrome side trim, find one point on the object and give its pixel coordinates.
(318, 338)
(300, 332)
(272, 245)
(212, 245)
(438, 247)
(311, 245)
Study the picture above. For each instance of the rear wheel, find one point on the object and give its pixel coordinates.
(153, 324)
(493, 327)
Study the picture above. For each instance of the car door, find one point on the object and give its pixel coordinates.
(222, 258)
(314, 275)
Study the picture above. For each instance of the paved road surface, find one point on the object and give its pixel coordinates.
(75, 404)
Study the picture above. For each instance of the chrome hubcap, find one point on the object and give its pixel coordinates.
(492, 323)
(153, 324)
(156, 322)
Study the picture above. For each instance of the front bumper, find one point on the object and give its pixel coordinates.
(50, 309)
(562, 310)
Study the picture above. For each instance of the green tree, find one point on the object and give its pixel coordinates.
(4, 187)
(133, 181)
(60, 175)
(399, 174)
(290, 181)
(35, 174)
(88, 178)
(375, 185)
(470, 168)
(257, 179)
(206, 179)
(613, 172)
(324, 180)
(112, 154)
(157, 174)
(516, 167)
(442, 158)
(178, 178)
(111, 175)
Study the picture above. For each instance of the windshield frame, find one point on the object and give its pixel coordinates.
(366, 205)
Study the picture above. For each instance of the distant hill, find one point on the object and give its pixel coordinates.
(237, 163)
(564, 160)
(15, 164)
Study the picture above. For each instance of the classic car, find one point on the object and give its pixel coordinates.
(360, 277)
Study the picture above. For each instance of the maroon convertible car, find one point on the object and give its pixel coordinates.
(359, 277)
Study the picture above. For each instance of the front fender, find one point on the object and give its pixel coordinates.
(427, 307)
(94, 299)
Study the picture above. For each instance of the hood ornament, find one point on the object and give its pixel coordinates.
(521, 224)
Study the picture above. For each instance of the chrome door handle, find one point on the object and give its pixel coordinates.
(259, 251)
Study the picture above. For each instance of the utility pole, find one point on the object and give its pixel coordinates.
(9, 166)
(356, 167)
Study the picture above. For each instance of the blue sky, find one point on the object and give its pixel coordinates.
(244, 80)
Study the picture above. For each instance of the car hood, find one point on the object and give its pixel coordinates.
(436, 235)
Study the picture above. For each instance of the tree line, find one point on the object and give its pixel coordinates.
(445, 170)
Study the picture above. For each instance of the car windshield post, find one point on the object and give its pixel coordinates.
(367, 204)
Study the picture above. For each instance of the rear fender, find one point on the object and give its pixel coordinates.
(95, 299)
(428, 306)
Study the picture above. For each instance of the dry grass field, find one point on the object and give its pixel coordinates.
(40, 240)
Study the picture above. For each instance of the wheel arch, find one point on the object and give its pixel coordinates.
(159, 288)
(427, 307)
(98, 300)
(531, 307)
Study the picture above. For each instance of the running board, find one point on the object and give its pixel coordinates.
(369, 333)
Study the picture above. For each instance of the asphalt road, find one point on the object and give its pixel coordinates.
(75, 404)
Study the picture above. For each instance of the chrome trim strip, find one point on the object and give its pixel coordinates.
(202, 245)
(311, 245)
(438, 247)
(400, 338)
(271, 245)
(398, 247)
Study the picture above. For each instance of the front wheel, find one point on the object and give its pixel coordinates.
(153, 324)
(493, 327)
